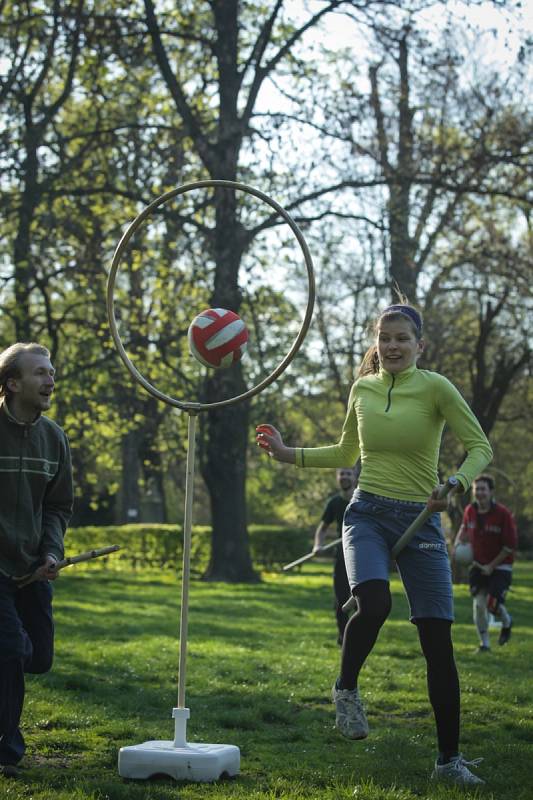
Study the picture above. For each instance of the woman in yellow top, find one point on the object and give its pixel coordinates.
(394, 422)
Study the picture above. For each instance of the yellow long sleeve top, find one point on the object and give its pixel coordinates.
(395, 423)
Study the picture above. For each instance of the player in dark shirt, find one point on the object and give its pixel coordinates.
(334, 513)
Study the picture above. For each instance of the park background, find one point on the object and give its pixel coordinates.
(398, 135)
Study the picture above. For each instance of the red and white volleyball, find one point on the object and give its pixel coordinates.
(217, 338)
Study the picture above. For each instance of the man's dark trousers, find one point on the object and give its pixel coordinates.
(26, 645)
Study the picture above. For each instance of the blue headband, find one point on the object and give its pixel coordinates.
(410, 312)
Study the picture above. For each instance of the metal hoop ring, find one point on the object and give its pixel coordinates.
(194, 408)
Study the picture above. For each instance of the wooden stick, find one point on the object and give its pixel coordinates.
(312, 555)
(24, 580)
(415, 526)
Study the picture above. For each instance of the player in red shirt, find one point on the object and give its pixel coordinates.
(490, 528)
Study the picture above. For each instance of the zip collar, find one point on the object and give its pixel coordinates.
(397, 377)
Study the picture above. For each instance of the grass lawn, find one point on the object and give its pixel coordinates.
(262, 659)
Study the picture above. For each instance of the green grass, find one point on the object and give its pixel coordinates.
(261, 662)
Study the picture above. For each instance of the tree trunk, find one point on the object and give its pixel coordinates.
(402, 264)
(130, 504)
(399, 177)
(225, 473)
(153, 500)
(493, 377)
(23, 268)
(224, 470)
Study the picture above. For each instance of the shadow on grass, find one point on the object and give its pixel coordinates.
(261, 658)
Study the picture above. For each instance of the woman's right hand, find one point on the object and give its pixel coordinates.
(269, 439)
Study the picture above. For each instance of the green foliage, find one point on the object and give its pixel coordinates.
(156, 545)
(273, 546)
(91, 133)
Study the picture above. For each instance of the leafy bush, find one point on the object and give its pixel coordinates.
(158, 545)
(274, 545)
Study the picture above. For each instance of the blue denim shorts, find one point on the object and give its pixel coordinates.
(372, 525)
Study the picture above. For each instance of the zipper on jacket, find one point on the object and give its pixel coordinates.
(19, 476)
(389, 394)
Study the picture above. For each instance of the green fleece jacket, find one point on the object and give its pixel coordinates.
(35, 492)
(395, 423)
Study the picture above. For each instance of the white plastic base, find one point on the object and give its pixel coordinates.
(177, 759)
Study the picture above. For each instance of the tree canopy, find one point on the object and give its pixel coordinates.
(403, 153)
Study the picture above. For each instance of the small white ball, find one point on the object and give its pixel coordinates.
(463, 553)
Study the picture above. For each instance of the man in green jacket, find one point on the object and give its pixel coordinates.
(35, 507)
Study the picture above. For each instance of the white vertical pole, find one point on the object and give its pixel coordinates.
(187, 528)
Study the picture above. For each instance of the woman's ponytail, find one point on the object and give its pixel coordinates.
(370, 363)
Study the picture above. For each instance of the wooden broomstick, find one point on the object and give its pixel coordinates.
(313, 554)
(24, 580)
(411, 531)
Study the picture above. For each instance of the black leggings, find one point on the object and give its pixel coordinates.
(341, 588)
(374, 605)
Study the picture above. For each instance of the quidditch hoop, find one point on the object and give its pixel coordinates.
(137, 222)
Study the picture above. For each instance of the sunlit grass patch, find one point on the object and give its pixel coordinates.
(261, 663)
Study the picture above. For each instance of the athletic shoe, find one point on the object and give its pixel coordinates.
(505, 633)
(483, 649)
(350, 716)
(456, 771)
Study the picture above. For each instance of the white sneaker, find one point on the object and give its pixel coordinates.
(350, 716)
(456, 771)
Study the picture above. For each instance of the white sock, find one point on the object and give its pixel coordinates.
(481, 618)
(505, 617)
